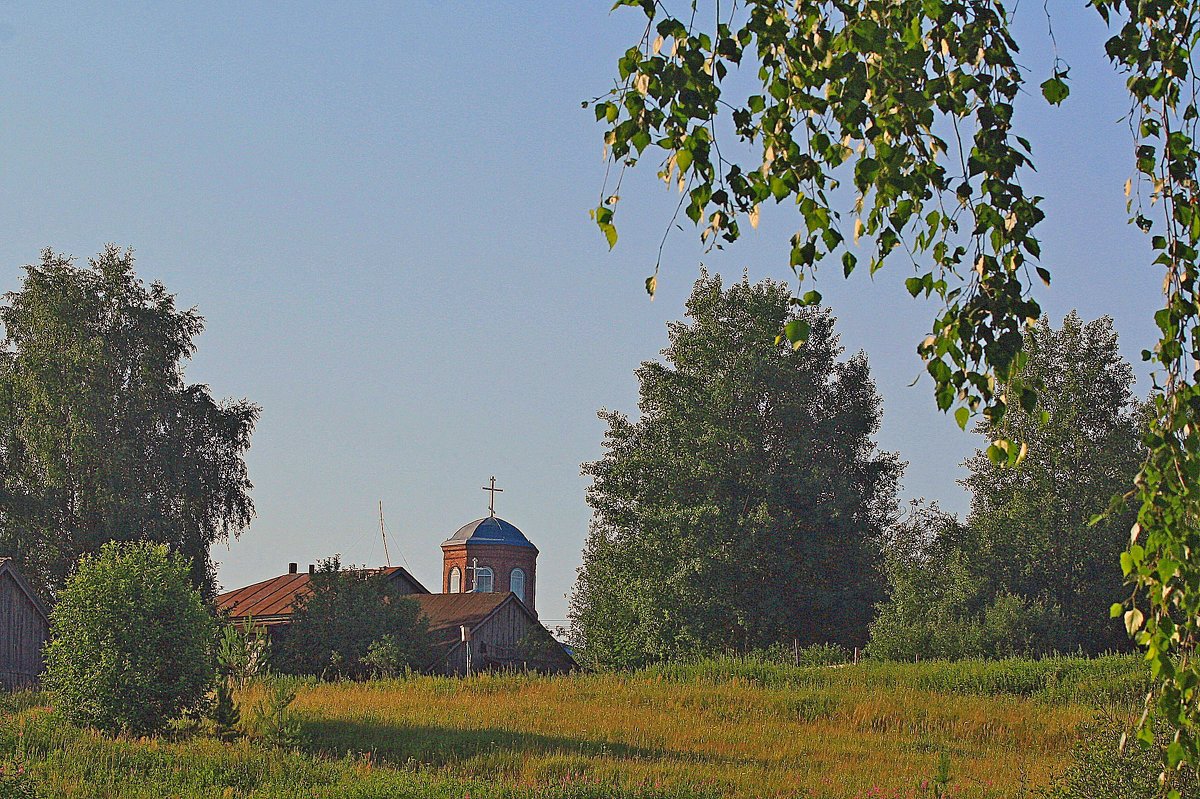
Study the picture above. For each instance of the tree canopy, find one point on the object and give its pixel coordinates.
(745, 505)
(912, 104)
(101, 438)
(1031, 571)
(355, 624)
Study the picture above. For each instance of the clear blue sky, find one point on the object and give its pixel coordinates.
(381, 210)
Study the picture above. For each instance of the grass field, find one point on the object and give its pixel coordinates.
(717, 728)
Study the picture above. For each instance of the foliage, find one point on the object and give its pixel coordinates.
(746, 505)
(1101, 768)
(858, 92)
(1030, 572)
(226, 712)
(100, 437)
(386, 658)
(273, 719)
(131, 641)
(348, 611)
(243, 652)
(1034, 528)
(913, 103)
(16, 782)
(944, 604)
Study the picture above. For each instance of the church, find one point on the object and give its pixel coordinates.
(485, 617)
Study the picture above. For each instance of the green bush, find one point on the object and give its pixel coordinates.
(355, 624)
(131, 642)
(1100, 769)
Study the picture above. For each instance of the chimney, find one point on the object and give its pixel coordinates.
(312, 569)
(293, 567)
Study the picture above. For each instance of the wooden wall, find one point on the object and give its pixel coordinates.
(510, 639)
(23, 634)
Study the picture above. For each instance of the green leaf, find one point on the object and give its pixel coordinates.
(610, 233)
(797, 332)
(1055, 89)
(651, 285)
(962, 416)
(914, 285)
(683, 159)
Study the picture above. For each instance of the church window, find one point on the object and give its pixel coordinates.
(455, 581)
(483, 580)
(516, 583)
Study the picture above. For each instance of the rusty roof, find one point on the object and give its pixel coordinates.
(446, 613)
(278, 596)
(454, 610)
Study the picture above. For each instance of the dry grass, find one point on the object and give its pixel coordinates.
(713, 729)
(737, 737)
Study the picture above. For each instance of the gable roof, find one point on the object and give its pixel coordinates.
(277, 597)
(446, 613)
(8, 567)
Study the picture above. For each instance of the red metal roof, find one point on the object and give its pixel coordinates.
(278, 596)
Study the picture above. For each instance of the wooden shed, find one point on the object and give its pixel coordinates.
(24, 629)
(503, 633)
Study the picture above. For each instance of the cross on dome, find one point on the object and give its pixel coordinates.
(492, 499)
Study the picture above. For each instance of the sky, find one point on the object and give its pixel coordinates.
(381, 211)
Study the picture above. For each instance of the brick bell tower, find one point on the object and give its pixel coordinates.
(490, 555)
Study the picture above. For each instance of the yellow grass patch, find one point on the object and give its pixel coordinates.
(842, 740)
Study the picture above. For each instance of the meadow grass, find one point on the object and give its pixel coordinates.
(713, 728)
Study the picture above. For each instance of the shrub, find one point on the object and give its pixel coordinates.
(242, 653)
(131, 641)
(273, 719)
(1101, 770)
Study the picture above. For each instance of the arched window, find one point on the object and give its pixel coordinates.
(516, 583)
(483, 580)
(455, 580)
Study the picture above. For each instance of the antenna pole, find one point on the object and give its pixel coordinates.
(383, 533)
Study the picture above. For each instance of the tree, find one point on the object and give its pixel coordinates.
(100, 437)
(355, 623)
(1032, 526)
(1030, 541)
(131, 641)
(745, 506)
(862, 92)
(941, 605)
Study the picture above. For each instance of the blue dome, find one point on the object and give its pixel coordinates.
(492, 530)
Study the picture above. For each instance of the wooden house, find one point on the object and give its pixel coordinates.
(24, 629)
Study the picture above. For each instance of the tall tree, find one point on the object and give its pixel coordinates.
(1032, 525)
(1029, 547)
(745, 505)
(100, 436)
